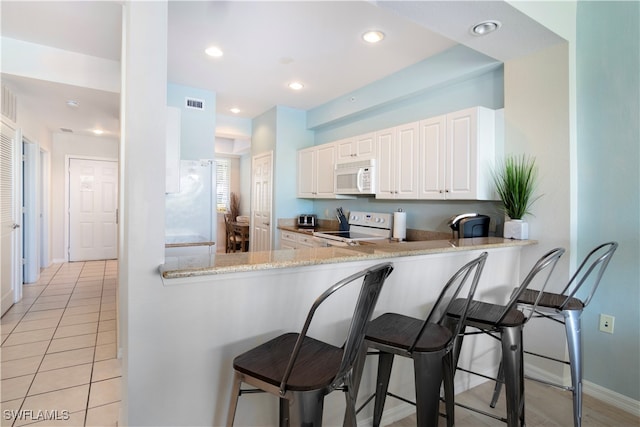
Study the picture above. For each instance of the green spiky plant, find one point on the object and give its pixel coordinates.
(515, 183)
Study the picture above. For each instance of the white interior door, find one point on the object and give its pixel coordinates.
(93, 201)
(262, 180)
(9, 227)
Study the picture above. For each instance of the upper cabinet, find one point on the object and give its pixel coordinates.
(315, 171)
(361, 147)
(457, 153)
(398, 150)
(448, 157)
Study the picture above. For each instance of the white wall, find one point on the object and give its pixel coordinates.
(142, 202)
(64, 145)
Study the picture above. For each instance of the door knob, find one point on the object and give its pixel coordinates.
(14, 226)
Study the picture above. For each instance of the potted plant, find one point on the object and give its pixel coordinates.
(515, 182)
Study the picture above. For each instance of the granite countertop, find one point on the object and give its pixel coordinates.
(214, 264)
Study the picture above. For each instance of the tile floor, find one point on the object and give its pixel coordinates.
(59, 364)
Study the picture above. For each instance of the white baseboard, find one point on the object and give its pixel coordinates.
(610, 397)
(59, 260)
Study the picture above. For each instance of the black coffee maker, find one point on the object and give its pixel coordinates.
(469, 225)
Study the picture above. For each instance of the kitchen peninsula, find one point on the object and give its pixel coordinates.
(215, 264)
(224, 304)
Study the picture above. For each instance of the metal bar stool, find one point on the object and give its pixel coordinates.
(300, 370)
(566, 308)
(504, 323)
(428, 342)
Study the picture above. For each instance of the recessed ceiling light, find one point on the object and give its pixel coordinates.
(296, 85)
(485, 27)
(98, 131)
(373, 36)
(214, 51)
(235, 110)
(73, 103)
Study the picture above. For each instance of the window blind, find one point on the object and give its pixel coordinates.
(223, 184)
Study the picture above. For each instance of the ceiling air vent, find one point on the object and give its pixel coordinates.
(194, 104)
(66, 130)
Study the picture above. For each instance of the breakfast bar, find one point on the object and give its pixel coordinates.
(230, 303)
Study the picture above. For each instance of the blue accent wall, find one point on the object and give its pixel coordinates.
(608, 131)
(469, 88)
(198, 128)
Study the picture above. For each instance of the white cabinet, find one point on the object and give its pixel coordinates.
(398, 150)
(361, 147)
(315, 171)
(172, 184)
(288, 240)
(456, 155)
(292, 240)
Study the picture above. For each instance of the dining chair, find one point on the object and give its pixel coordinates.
(301, 370)
(428, 342)
(503, 323)
(566, 308)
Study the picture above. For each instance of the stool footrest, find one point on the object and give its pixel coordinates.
(549, 383)
(488, 414)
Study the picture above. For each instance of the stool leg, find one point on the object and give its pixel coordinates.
(385, 362)
(428, 377)
(498, 386)
(306, 408)
(350, 395)
(513, 375)
(449, 371)
(284, 412)
(573, 329)
(233, 403)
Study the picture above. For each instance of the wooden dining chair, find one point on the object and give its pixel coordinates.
(234, 241)
(301, 370)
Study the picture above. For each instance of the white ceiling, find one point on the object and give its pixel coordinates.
(267, 44)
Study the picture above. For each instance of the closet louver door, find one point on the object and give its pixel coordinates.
(8, 225)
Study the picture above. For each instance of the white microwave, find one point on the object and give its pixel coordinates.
(355, 177)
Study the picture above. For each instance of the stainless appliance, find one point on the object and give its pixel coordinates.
(363, 226)
(355, 177)
(307, 221)
(469, 225)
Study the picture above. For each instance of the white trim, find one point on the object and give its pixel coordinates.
(67, 159)
(596, 391)
(612, 398)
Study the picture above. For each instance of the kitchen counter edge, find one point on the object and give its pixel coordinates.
(223, 263)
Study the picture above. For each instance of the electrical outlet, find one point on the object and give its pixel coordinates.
(606, 323)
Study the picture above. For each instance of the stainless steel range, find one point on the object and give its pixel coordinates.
(363, 226)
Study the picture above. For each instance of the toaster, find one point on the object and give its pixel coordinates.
(307, 221)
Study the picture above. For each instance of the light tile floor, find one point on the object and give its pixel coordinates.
(58, 351)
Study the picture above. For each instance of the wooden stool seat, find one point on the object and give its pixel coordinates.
(550, 300)
(315, 367)
(401, 331)
(487, 314)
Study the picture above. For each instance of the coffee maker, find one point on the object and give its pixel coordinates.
(469, 225)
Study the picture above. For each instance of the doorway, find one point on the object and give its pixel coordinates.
(261, 192)
(93, 200)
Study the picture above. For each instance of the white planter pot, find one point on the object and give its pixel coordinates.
(516, 229)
